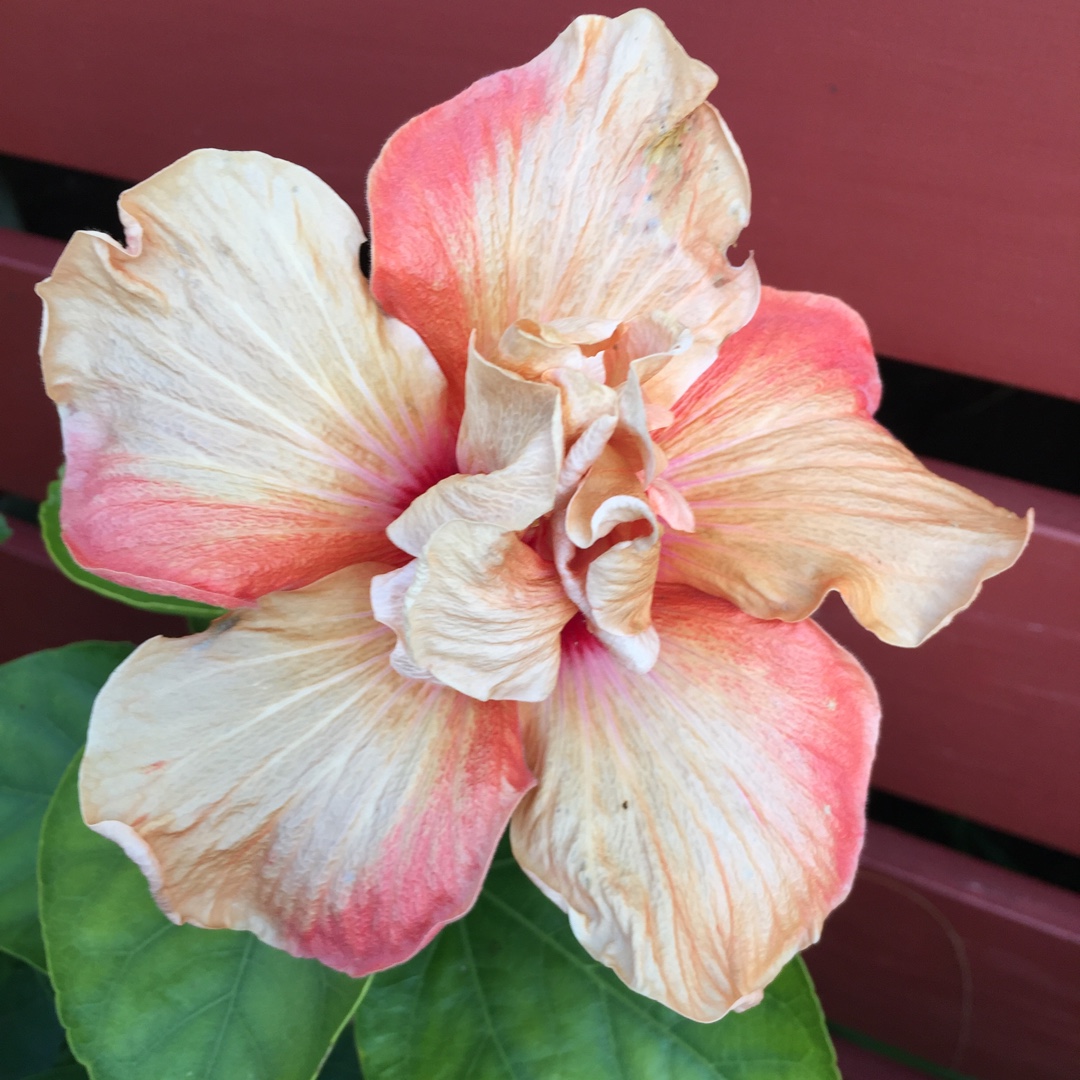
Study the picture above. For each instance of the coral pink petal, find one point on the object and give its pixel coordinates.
(238, 415)
(594, 183)
(699, 822)
(274, 774)
(795, 490)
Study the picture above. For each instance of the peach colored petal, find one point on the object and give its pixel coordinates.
(796, 491)
(388, 593)
(238, 415)
(607, 551)
(275, 775)
(584, 453)
(668, 503)
(584, 400)
(646, 345)
(610, 495)
(631, 438)
(483, 614)
(509, 451)
(619, 583)
(593, 182)
(531, 349)
(699, 822)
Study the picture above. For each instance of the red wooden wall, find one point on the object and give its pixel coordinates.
(918, 159)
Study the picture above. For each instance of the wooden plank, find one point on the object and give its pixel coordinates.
(982, 719)
(41, 609)
(29, 432)
(913, 157)
(957, 961)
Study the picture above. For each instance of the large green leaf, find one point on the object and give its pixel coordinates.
(49, 517)
(5, 529)
(508, 994)
(31, 1039)
(45, 701)
(143, 998)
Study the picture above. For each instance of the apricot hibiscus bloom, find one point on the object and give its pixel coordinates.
(440, 507)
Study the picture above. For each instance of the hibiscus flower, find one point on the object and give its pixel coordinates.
(503, 536)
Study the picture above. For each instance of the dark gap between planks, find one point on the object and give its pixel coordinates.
(973, 422)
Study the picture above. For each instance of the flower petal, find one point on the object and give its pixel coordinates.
(483, 613)
(594, 182)
(607, 551)
(698, 823)
(509, 451)
(796, 491)
(238, 415)
(275, 775)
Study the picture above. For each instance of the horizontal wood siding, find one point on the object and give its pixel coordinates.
(916, 158)
(29, 430)
(41, 609)
(967, 965)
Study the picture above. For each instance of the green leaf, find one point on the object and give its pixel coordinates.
(508, 994)
(5, 529)
(142, 998)
(31, 1039)
(49, 518)
(45, 701)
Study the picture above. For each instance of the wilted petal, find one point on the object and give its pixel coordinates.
(610, 495)
(698, 823)
(584, 452)
(238, 415)
(592, 181)
(275, 775)
(796, 491)
(388, 592)
(611, 524)
(668, 503)
(619, 583)
(532, 349)
(484, 614)
(631, 438)
(509, 451)
(584, 400)
(646, 345)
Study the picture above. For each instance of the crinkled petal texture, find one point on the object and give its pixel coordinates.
(275, 774)
(698, 823)
(239, 416)
(796, 491)
(509, 450)
(480, 611)
(593, 182)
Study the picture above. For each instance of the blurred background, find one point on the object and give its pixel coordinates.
(918, 159)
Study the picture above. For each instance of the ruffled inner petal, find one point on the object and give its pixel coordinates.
(483, 614)
(606, 546)
(510, 452)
